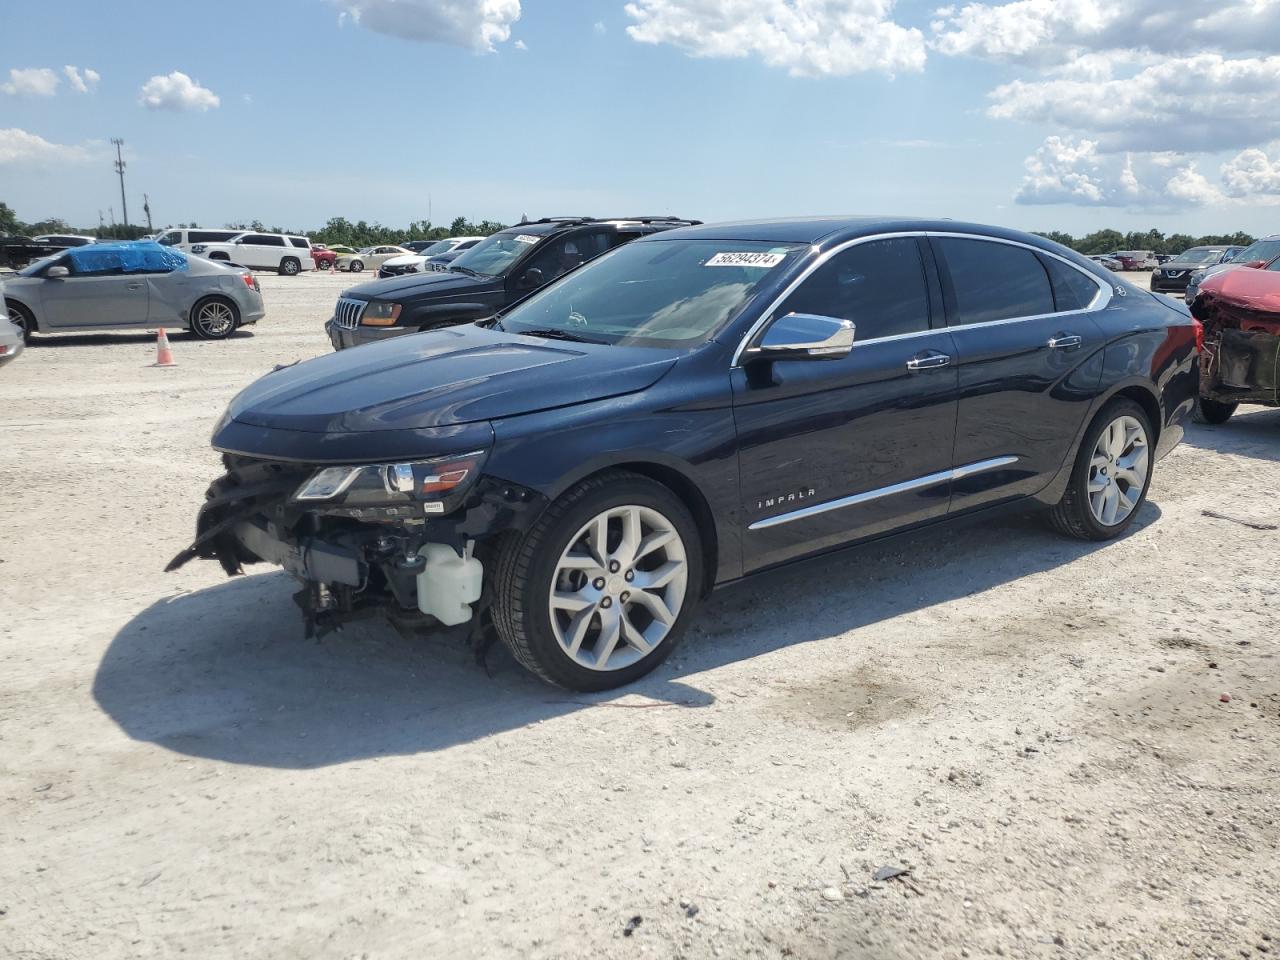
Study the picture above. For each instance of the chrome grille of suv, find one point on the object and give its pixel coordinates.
(347, 313)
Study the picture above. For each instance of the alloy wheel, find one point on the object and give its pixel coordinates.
(618, 587)
(18, 320)
(215, 319)
(1118, 471)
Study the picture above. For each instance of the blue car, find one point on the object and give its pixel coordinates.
(691, 408)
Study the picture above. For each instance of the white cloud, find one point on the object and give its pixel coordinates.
(472, 24)
(520, 45)
(806, 37)
(176, 91)
(1253, 172)
(81, 81)
(599, 27)
(1205, 102)
(20, 147)
(31, 82)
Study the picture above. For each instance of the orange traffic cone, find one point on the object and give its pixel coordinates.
(164, 356)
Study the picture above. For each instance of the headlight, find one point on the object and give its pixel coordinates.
(409, 488)
(380, 314)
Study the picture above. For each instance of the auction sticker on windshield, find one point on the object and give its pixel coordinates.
(526, 238)
(746, 259)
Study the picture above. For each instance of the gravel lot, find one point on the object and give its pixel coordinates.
(1034, 727)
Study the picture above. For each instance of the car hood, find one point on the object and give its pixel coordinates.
(420, 285)
(442, 378)
(403, 259)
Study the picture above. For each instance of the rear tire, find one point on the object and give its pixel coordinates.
(1212, 411)
(290, 267)
(356, 266)
(22, 318)
(620, 611)
(214, 318)
(1111, 476)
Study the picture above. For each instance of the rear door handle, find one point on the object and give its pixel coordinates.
(1065, 341)
(928, 361)
(135, 286)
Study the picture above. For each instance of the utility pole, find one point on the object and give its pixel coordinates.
(120, 165)
(146, 208)
(111, 215)
(101, 223)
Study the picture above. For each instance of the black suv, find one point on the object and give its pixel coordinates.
(573, 475)
(495, 273)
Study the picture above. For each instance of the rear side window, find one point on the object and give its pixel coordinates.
(209, 236)
(300, 242)
(170, 239)
(994, 281)
(1072, 290)
(264, 240)
(880, 286)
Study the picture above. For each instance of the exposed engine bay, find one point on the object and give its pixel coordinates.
(1240, 310)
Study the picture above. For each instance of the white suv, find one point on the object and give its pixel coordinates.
(281, 252)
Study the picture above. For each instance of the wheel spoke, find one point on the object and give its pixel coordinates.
(571, 601)
(598, 540)
(655, 605)
(1097, 484)
(656, 579)
(1110, 504)
(573, 637)
(578, 561)
(659, 538)
(610, 634)
(635, 639)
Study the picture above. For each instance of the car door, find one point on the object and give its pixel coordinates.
(261, 251)
(556, 258)
(95, 294)
(835, 450)
(1029, 360)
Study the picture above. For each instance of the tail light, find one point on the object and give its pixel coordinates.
(250, 280)
(1199, 335)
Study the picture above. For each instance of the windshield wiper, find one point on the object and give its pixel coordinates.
(467, 270)
(555, 333)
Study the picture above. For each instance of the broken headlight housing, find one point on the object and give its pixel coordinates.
(388, 491)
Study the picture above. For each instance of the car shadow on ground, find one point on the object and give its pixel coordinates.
(125, 338)
(1252, 431)
(224, 673)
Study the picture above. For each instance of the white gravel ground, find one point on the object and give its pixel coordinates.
(1033, 726)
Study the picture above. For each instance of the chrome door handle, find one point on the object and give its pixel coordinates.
(135, 286)
(1065, 341)
(930, 361)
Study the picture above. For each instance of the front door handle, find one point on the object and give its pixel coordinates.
(135, 286)
(928, 361)
(1065, 341)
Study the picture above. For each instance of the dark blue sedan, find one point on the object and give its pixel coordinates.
(573, 475)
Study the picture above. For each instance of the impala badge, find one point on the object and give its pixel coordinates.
(779, 500)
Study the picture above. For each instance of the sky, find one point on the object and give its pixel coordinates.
(1038, 114)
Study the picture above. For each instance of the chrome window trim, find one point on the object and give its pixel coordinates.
(906, 486)
(1099, 302)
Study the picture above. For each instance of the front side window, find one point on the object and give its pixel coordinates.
(880, 286)
(1261, 250)
(170, 239)
(670, 293)
(560, 256)
(994, 281)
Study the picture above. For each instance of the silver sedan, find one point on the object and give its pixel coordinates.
(121, 286)
(10, 336)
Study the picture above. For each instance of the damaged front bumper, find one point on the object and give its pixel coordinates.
(394, 559)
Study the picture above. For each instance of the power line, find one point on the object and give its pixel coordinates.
(120, 165)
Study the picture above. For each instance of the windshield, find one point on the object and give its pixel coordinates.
(440, 246)
(366, 250)
(1199, 256)
(1261, 250)
(493, 255)
(672, 293)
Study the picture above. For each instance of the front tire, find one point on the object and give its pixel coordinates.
(1212, 411)
(290, 267)
(356, 266)
(214, 318)
(1111, 476)
(21, 318)
(599, 591)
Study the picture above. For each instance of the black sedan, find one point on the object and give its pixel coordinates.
(692, 408)
(1172, 277)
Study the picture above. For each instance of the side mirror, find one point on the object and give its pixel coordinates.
(238, 242)
(531, 279)
(804, 336)
(1257, 264)
(57, 273)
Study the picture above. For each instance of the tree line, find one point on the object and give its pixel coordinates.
(1107, 241)
(364, 234)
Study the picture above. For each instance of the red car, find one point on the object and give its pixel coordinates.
(1240, 361)
(323, 256)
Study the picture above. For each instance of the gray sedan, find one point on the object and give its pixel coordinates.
(121, 286)
(10, 337)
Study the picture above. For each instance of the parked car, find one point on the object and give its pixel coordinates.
(1111, 263)
(16, 252)
(1174, 275)
(11, 337)
(1240, 310)
(398, 266)
(185, 238)
(496, 272)
(373, 257)
(284, 253)
(1134, 259)
(325, 259)
(691, 408)
(341, 248)
(119, 286)
(417, 246)
(1259, 254)
(65, 240)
